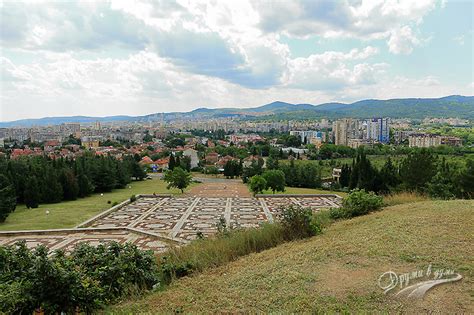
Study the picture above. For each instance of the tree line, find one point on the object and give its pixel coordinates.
(420, 171)
(38, 180)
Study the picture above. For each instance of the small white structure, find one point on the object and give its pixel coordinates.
(192, 154)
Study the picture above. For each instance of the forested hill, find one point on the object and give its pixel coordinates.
(450, 106)
(415, 108)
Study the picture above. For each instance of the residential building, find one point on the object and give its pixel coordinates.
(345, 129)
(307, 135)
(424, 140)
(355, 143)
(451, 141)
(212, 158)
(91, 142)
(193, 156)
(378, 130)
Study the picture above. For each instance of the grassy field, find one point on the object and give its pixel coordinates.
(68, 214)
(338, 271)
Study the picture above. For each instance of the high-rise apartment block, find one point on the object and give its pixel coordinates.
(378, 130)
(344, 130)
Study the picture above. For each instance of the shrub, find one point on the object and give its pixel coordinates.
(298, 223)
(359, 202)
(211, 170)
(87, 279)
(322, 218)
(257, 184)
(133, 198)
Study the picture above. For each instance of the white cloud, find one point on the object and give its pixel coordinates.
(141, 57)
(326, 17)
(459, 39)
(365, 20)
(332, 70)
(402, 41)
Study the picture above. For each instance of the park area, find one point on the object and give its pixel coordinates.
(157, 219)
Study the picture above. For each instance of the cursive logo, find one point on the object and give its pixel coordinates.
(390, 280)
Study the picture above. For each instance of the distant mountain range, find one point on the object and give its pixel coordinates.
(415, 108)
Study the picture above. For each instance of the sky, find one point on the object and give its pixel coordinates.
(129, 57)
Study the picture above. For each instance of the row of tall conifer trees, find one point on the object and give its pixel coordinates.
(420, 171)
(38, 180)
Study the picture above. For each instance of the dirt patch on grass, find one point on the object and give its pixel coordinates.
(228, 188)
(338, 271)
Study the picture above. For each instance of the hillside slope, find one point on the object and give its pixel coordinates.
(417, 108)
(450, 106)
(338, 271)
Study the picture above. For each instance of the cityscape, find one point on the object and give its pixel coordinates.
(68, 140)
(161, 157)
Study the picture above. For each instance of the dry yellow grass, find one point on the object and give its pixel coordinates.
(338, 271)
(403, 197)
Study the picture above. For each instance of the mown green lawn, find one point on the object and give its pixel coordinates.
(68, 214)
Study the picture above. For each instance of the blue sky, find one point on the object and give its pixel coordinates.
(139, 57)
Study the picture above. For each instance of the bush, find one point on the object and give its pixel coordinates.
(298, 223)
(133, 198)
(211, 170)
(359, 202)
(322, 219)
(87, 279)
(257, 184)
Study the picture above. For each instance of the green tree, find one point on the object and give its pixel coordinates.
(185, 163)
(85, 185)
(232, 168)
(69, 184)
(104, 179)
(147, 137)
(275, 180)
(178, 161)
(178, 178)
(52, 191)
(257, 184)
(255, 168)
(417, 169)
(7, 197)
(172, 162)
(122, 174)
(363, 174)
(32, 195)
(293, 141)
(345, 175)
(272, 163)
(443, 185)
(137, 171)
(466, 180)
